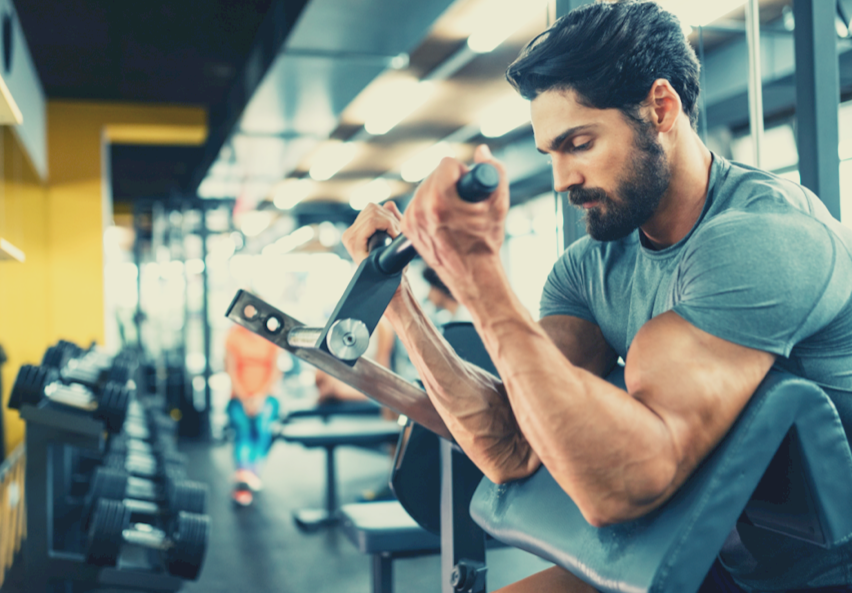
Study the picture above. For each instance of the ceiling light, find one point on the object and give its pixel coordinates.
(400, 98)
(289, 242)
(841, 27)
(698, 14)
(498, 20)
(213, 187)
(194, 266)
(255, 222)
(504, 116)
(425, 162)
(288, 193)
(331, 158)
(377, 190)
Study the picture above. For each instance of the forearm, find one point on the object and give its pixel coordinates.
(471, 402)
(607, 450)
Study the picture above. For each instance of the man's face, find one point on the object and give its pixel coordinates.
(612, 168)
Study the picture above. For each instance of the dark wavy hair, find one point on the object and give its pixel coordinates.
(610, 53)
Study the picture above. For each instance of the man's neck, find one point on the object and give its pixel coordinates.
(683, 202)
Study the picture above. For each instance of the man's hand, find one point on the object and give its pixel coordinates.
(451, 235)
(371, 220)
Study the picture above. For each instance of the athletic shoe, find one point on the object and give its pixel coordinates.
(250, 479)
(242, 495)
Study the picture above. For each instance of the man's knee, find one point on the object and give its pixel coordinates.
(553, 580)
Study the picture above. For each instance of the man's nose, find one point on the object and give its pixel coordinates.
(566, 177)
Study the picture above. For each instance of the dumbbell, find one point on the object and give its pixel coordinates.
(145, 465)
(139, 458)
(90, 368)
(145, 497)
(182, 548)
(35, 384)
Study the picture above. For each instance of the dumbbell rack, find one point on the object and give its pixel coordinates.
(52, 435)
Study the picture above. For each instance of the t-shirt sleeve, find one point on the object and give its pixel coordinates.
(565, 292)
(764, 281)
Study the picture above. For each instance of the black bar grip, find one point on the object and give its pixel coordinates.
(474, 186)
(478, 183)
(378, 240)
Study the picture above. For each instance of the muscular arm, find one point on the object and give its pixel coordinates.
(472, 402)
(618, 454)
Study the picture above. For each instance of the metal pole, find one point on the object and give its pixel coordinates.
(205, 281)
(755, 80)
(137, 259)
(817, 98)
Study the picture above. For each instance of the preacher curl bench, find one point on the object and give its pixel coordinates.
(785, 465)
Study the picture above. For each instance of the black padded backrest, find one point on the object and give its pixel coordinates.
(671, 549)
(468, 345)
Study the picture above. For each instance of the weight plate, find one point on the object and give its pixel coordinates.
(29, 386)
(105, 533)
(189, 536)
(187, 496)
(54, 357)
(107, 484)
(173, 458)
(112, 407)
(119, 373)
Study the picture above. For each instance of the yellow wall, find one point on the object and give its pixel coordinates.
(24, 287)
(58, 293)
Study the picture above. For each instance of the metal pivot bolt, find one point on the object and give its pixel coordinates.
(468, 577)
(348, 339)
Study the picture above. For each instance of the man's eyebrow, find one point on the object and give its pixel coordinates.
(561, 138)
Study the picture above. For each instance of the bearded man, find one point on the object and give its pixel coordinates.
(700, 273)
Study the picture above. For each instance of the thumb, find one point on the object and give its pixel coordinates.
(482, 154)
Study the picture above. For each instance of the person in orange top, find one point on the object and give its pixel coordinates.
(251, 362)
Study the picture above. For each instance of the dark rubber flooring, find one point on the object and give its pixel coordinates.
(259, 549)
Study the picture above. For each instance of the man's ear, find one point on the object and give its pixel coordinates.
(664, 105)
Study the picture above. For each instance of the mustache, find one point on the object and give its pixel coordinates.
(580, 196)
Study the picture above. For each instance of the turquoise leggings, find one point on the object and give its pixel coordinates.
(252, 436)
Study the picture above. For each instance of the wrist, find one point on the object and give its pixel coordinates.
(401, 301)
(493, 306)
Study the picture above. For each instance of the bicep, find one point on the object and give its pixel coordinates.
(696, 383)
(581, 342)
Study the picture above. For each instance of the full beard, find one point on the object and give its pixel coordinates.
(639, 190)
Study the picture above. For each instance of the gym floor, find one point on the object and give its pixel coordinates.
(259, 549)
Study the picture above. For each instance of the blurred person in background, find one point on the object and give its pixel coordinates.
(252, 364)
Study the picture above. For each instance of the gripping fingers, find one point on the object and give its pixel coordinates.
(371, 220)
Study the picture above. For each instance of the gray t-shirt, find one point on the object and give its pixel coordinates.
(765, 266)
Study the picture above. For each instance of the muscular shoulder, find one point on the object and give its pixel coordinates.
(763, 279)
(780, 246)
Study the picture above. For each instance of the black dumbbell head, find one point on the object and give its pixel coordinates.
(171, 457)
(29, 385)
(54, 357)
(119, 372)
(189, 536)
(107, 484)
(187, 496)
(110, 519)
(112, 406)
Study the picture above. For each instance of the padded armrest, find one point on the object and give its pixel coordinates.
(333, 408)
(341, 431)
(671, 549)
